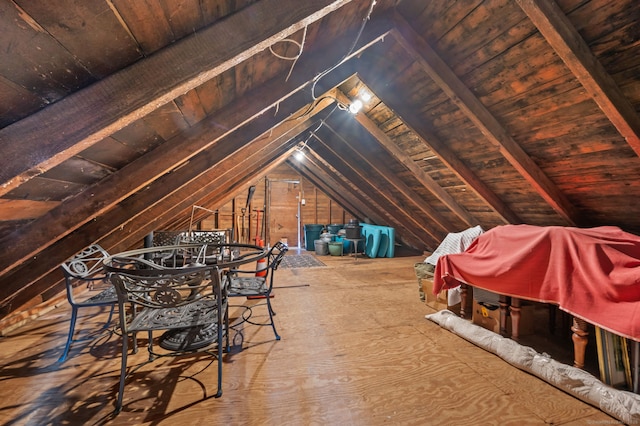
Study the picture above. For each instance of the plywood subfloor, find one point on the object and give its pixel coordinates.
(355, 350)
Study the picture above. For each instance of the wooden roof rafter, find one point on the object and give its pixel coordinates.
(174, 193)
(331, 146)
(324, 176)
(335, 189)
(68, 216)
(254, 157)
(405, 113)
(350, 147)
(419, 174)
(87, 116)
(237, 182)
(222, 175)
(369, 206)
(490, 127)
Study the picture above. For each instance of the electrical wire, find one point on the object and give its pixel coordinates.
(313, 132)
(351, 49)
(317, 78)
(291, 58)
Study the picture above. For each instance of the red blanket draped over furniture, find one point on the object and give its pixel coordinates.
(592, 273)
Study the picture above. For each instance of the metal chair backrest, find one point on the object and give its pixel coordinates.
(163, 289)
(86, 268)
(213, 237)
(214, 241)
(86, 263)
(138, 260)
(166, 238)
(276, 254)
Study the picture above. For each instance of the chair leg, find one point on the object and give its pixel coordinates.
(72, 327)
(123, 373)
(226, 330)
(219, 392)
(150, 346)
(271, 314)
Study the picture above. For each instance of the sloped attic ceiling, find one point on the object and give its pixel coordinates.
(118, 116)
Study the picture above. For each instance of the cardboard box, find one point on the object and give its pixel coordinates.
(425, 288)
(488, 316)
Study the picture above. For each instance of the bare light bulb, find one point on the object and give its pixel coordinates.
(355, 106)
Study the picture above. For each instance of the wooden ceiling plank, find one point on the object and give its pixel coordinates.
(42, 140)
(426, 180)
(24, 209)
(17, 102)
(219, 188)
(495, 133)
(405, 113)
(325, 177)
(556, 28)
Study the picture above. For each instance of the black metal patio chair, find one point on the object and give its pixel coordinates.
(256, 284)
(186, 303)
(85, 268)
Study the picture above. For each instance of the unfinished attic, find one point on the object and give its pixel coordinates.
(274, 120)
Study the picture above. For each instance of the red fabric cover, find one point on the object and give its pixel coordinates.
(591, 273)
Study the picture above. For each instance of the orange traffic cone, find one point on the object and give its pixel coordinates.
(261, 267)
(261, 270)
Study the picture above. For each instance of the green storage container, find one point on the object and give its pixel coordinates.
(311, 233)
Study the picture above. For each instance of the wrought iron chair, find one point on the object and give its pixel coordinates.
(215, 240)
(256, 283)
(85, 268)
(187, 303)
(164, 239)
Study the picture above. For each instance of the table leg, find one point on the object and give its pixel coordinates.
(515, 318)
(636, 365)
(464, 294)
(580, 339)
(504, 302)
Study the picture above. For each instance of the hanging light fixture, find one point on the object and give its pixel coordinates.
(355, 106)
(358, 103)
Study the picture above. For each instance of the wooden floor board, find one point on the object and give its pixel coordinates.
(356, 349)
